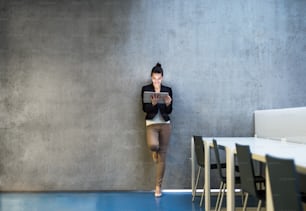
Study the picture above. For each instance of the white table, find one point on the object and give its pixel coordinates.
(259, 148)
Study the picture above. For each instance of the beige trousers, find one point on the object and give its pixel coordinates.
(158, 137)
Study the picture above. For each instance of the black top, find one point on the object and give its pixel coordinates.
(153, 110)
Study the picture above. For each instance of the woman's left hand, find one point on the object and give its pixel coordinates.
(167, 100)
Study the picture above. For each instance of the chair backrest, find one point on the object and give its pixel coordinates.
(199, 150)
(217, 154)
(284, 183)
(246, 169)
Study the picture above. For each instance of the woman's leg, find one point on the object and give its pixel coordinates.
(152, 137)
(158, 137)
(164, 138)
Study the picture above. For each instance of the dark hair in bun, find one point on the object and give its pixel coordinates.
(157, 69)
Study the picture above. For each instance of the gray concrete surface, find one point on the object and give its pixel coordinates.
(71, 73)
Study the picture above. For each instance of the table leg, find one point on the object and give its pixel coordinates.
(269, 204)
(230, 180)
(192, 167)
(207, 175)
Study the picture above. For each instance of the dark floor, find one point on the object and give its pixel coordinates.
(92, 201)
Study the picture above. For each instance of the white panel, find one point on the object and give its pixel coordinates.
(284, 124)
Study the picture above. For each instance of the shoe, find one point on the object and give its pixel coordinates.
(157, 195)
(155, 156)
(158, 192)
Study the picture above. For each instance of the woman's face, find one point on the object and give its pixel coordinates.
(157, 79)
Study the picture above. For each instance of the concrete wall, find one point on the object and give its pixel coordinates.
(71, 73)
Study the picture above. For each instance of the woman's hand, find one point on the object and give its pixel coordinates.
(167, 100)
(154, 99)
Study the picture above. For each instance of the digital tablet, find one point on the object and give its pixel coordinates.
(147, 96)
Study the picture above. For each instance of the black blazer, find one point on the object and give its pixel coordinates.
(152, 110)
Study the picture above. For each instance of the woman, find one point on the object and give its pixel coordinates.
(158, 126)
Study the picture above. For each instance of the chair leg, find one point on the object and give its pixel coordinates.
(259, 205)
(222, 196)
(219, 195)
(245, 201)
(201, 202)
(242, 196)
(196, 185)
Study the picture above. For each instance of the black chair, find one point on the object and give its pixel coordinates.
(284, 184)
(250, 184)
(200, 156)
(303, 195)
(222, 177)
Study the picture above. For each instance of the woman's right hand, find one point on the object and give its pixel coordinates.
(155, 99)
